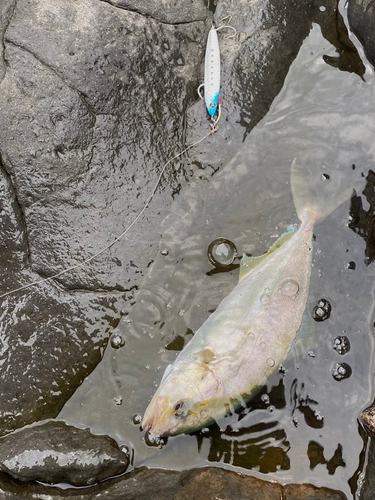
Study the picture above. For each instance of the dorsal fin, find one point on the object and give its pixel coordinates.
(250, 263)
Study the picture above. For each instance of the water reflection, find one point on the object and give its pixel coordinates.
(335, 32)
(315, 452)
(362, 220)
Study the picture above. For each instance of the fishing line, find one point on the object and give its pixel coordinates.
(81, 264)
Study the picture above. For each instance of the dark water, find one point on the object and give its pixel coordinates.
(303, 426)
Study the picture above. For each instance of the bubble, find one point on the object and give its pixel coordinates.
(318, 416)
(322, 310)
(311, 353)
(221, 252)
(136, 419)
(118, 400)
(265, 299)
(265, 398)
(322, 9)
(164, 252)
(117, 341)
(270, 362)
(271, 409)
(341, 371)
(125, 449)
(341, 344)
(289, 288)
(155, 441)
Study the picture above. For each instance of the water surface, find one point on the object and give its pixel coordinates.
(303, 426)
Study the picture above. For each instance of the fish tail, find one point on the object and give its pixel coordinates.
(319, 194)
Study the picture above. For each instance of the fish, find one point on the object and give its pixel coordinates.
(249, 335)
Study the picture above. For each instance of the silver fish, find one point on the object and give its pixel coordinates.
(235, 351)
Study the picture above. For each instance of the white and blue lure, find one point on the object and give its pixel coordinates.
(212, 73)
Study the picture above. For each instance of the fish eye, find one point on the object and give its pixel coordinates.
(181, 408)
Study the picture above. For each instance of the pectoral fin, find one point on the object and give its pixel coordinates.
(250, 263)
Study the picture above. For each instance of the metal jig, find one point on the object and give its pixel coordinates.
(212, 75)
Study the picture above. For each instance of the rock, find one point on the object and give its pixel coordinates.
(166, 11)
(92, 103)
(361, 15)
(55, 452)
(50, 338)
(6, 11)
(368, 481)
(210, 483)
(368, 419)
(310, 492)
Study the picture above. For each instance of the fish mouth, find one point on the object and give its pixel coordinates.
(157, 416)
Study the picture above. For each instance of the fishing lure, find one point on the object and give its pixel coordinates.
(211, 83)
(212, 73)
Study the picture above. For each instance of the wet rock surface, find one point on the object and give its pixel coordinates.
(54, 452)
(361, 15)
(91, 104)
(198, 484)
(368, 488)
(368, 419)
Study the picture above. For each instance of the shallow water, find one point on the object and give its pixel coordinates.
(303, 426)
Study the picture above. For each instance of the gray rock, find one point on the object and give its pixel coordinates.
(55, 452)
(368, 419)
(166, 11)
(361, 15)
(50, 339)
(92, 101)
(210, 483)
(6, 11)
